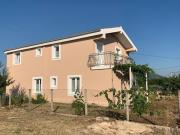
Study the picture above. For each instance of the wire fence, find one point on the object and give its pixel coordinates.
(163, 111)
(60, 101)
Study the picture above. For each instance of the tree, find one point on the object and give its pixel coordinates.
(5, 80)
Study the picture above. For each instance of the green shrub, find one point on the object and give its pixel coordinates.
(78, 104)
(18, 96)
(139, 104)
(40, 99)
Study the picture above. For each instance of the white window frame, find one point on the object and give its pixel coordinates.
(38, 55)
(34, 87)
(99, 67)
(116, 47)
(51, 83)
(69, 86)
(120, 50)
(53, 52)
(14, 57)
(96, 44)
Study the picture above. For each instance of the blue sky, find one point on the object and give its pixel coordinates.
(153, 25)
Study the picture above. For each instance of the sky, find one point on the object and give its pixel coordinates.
(153, 25)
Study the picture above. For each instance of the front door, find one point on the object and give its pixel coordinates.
(100, 53)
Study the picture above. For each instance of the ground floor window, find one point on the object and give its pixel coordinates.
(74, 84)
(53, 82)
(37, 84)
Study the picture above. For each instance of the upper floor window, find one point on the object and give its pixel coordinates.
(118, 53)
(17, 58)
(56, 52)
(38, 51)
(99, 47)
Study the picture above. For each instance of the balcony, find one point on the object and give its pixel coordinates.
(107, 60)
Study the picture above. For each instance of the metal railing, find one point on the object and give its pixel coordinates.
(108, 58)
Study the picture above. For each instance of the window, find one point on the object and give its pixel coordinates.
(100, 53)
(74, 84)
(99, 47)
(53, 81)
(118, 54)
(37, 84)
(17, 58)
(56, 52)
(39, 52)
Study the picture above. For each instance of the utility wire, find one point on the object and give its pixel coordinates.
(156, 56)
(165, 67)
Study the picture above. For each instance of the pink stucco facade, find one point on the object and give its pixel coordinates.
(73, 61)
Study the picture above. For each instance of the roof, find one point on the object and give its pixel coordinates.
(101, 32)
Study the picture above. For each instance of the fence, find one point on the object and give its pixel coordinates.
(163, 110)
(60, 101)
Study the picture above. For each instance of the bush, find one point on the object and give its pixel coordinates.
(40, 99)
(18, 96)
(140, 104)
(78, 104)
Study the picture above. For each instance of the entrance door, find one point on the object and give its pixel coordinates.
(100, 53)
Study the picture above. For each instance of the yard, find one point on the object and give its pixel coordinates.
(40, 120)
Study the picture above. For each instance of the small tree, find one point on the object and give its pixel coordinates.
(5, 80)
(78, 104)
(138, 101)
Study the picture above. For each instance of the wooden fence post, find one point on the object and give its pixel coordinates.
(127, 94)
(52, 108)
(1, 95)
(146, 76)
(179, 102)
(85, 101)
(10, 92)
(127, 106)
(29, 105)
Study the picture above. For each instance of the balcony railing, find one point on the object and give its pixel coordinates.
(107, 58)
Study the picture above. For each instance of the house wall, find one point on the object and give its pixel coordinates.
(74, 58)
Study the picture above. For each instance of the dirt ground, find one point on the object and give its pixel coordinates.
(18, 121)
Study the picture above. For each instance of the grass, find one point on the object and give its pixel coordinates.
(161, 112)
(18, 121)
(40, 120)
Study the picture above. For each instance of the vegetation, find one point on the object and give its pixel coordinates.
(168, 85)
(18, 96)
(138, 93)
(117, 99)
(138, 101)
(78, 104)
(5, 80)
(40, 99)
(122, 71)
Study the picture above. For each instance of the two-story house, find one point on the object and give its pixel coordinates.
(82, 61)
